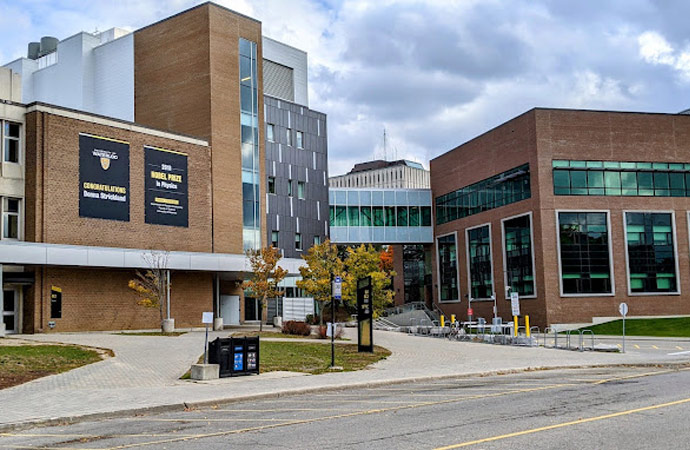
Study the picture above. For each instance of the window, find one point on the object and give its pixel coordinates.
(300, 189)
(300, 139)
(298, 241)
(271, 185)
(288, 134)
(353, 216)
(10, 218)
(447, 268)
(317, 240)
(414, 216)
(378, 216)
(10, 134)
(500, 190)
(584, 255)
(479, 262)
(651, 252)
(289, 190)
(365, 216)
(517, 246)
(402, 216)
(617, 178)
(390, 216)
(274, 238)
(270, 132)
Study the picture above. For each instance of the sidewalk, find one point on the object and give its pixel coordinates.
(144, 374)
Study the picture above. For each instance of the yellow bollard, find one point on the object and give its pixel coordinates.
(515, 326)
(452, 318)
(443, 321)
(527, 326)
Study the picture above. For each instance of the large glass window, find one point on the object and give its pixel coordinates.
(447, 268)
(617, 178)
(651, 252)
(353, 216)
(300, 139)
(503, 189)
(479, 263)
(11, 133)
(10, 218)
(518, 255)
(300, 189)
(249, 124)
(402, 216)
(270, 132)
(585, 258)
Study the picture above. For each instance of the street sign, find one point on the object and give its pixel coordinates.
(207, 317)
(515, 303)
(623, 309)
(470, 312)
(337, 288)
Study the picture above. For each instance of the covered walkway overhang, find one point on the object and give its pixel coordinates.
(41, 254)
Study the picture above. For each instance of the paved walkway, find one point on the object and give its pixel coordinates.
(145, 373)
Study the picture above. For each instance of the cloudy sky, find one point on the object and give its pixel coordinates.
(433, 73)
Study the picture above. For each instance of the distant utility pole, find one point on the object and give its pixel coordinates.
(385, 153)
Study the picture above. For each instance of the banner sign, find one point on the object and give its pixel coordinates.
(166, 187)
(365, 327)
(103, 178)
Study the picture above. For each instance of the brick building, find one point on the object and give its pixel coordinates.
(577, 211)
(118, 143)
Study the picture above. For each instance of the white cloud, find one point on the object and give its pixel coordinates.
(433, 73)
(654, 49)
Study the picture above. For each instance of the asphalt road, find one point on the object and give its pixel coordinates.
(631, 408)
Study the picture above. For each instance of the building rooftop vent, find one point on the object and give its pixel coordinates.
(47, 46)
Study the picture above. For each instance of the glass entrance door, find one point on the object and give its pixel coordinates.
(10, 302)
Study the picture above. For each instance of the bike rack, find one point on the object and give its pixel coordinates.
(582, 337)
(547, 330)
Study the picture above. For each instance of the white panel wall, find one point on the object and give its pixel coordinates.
(114, 78)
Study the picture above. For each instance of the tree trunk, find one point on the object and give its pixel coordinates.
(321, 310)
(262, 303)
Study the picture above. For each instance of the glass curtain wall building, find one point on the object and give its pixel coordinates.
(249, 118)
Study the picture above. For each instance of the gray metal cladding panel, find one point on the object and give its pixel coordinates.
(279, 80)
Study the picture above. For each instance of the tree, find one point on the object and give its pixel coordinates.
(266, 275)
(322, 263)
(386, 263)
(150, 283)
(365, 261)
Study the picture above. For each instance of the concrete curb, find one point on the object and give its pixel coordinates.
(68, 420)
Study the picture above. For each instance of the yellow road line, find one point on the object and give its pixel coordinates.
(636, 346)
(321, 419)
(679, 347)
(655, 347)
(565, 424)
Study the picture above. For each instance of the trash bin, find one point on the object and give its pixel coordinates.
(235, 356)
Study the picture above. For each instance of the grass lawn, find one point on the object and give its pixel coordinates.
(672, 327)
(315, 358)
(19, 364)
(278, 334)
(152, 333)
(312, 358)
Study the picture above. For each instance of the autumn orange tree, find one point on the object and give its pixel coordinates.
(150, 283)
(322, 263)
(266, 275)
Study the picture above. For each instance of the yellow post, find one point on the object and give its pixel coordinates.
(452, 318)
(443, 321)
(527, 325)
(515, 326)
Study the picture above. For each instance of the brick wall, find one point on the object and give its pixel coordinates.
(99, 299)
(187, 80)
(52, 189)
(602, 136)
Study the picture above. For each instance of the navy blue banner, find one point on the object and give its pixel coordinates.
(103, 178)
(166, 187)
